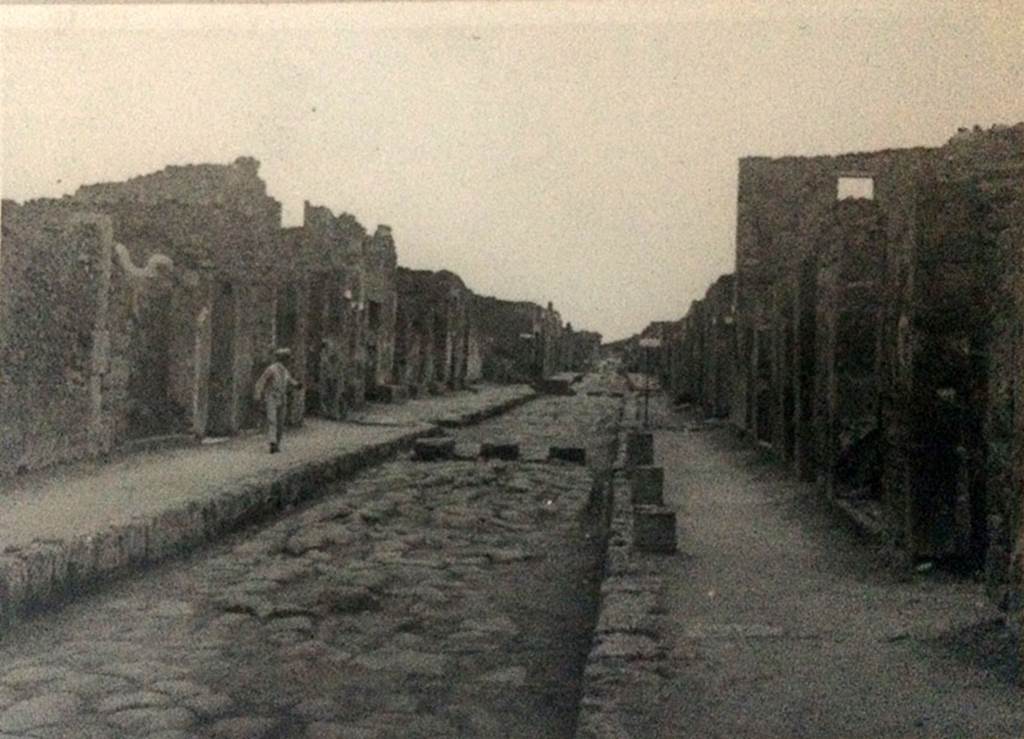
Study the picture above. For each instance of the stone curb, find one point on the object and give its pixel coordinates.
(483, 414)
(628, 653)
(51, 572)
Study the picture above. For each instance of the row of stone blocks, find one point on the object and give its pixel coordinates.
(654, 524)
(443, 448)
(628, 646)
(47, 572)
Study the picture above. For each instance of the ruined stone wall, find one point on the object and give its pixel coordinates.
(474, 349)
(187, 232)
(379, 266)
(437, 344)
(718, 353)
(693, 355)
(947, 370)
(551, 340)
(509, 337)
(904, 308)
(194, 284)
(54, 345)
(783, 206)
(1005, 559)
(413, 334)
(580, 349)
(850, 278)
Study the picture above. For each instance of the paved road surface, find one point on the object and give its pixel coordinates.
(418, 600)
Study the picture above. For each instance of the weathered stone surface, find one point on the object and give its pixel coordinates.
(142, 721)
(639, 448)
(647, 485)
(139, 699)
(34, 675)
(348, 599)
(514, 676)
(45, 710)
(405, 661)
(434, 449)
(318, 536)
(331, 730)
(317, 709)
(177, 688)
(209, 705)
(243, 727)
(505, 450)
(626, 646)
(654, 529)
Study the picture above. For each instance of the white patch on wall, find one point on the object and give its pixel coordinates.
(156, 266)
(856, 186)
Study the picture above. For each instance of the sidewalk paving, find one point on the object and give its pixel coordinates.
(776, 620)
(780, 622)
(63, 529)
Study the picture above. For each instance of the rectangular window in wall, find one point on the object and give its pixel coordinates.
(857, 186)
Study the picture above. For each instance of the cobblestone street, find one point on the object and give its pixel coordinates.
(418, 599)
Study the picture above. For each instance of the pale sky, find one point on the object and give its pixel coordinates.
(579, 153)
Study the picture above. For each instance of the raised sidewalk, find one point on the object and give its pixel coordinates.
(63, 530)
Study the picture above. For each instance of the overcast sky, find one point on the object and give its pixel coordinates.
(584, 154)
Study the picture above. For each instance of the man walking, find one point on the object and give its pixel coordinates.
(272, 388)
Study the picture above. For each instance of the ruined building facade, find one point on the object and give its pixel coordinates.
(871, 337)
(144, 310)
(436, 343)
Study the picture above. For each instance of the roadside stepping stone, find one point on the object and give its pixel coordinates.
(499, 450)
(573, 454)
(647, 485)
(434, 449)
(639, 448)
(654, 529)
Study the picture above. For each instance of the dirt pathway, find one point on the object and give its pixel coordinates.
(783, 624)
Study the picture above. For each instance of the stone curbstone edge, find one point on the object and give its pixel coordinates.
(629, 646)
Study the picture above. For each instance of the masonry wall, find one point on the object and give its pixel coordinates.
(54, 345)
(845, 380)
(511, 339)
(877, 340)
(145, 309)
(437, 344)
(719, 352)
(783, 206)
(381, 295)
(197, 243)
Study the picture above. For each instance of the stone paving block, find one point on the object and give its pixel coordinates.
(647, 484)
(654, 529)
(499, 450)
(390, 393)
(434, 449)
(639, 448)
(573, 454)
